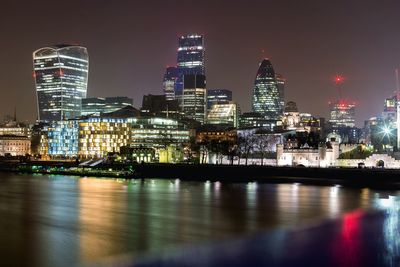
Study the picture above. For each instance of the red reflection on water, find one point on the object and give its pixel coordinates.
(347, 246)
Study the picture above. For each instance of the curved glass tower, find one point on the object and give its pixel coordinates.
(61, 75)
(266, 96)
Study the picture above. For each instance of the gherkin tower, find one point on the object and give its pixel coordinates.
(266, 98)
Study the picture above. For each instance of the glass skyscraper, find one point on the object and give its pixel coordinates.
(194, 98)
(61, 75)
(218, 96)
(170, 80)
(191, 54)
(266, 95)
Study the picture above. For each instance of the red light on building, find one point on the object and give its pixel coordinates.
(338, 79)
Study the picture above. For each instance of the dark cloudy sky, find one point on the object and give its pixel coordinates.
(131, 42)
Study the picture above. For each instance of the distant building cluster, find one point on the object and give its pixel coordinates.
(189, 121)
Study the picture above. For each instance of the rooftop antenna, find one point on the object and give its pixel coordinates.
(15, 113)
(396, 71)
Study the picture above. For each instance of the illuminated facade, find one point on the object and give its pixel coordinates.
(62, 138)
(61, 75)
(342, 114)
(218, 96)
(98, 105)
(13, 145)
(194, 97)
(254, 119)
(170, 82)
(266, 98)
(14, 128)
(191, 54)
(225, 114)
(157, 133)
(100, 136)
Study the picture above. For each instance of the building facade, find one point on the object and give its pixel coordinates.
(266, 96)
(170, 80)
(12, 145)
(191, 54)
(100, 136)
(342, 114)
(61, 76)
(157, 133)
(224, 114)
(218, 96)
(194, 97)
(63, 138)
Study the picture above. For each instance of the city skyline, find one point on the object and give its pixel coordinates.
(131, 60)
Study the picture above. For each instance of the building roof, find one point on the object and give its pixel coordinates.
(125, 112)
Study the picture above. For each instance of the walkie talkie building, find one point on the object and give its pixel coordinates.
(61, 76)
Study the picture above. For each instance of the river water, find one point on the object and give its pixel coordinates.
(55, 220)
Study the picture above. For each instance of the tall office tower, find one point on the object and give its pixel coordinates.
(342, 114)
(170, 82)
(280, 83)
(218, 96)
(390, 109)
(61, 75)
(266, 100)
(194, 97)
(191, 54)
(190, 59)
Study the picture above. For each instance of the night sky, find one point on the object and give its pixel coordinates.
(131, 42)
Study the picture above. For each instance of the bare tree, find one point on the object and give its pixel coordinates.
(246, 144)
(264, 144)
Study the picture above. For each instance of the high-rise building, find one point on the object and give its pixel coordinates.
(158, 105)
(191, 54)
(280, 83)
(170, 80)
(98, 105)
(194, 97)
(266, 97)
(61, 75)
(342, 114)
(218, 96)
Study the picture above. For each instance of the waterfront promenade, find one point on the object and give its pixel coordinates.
(376, 178)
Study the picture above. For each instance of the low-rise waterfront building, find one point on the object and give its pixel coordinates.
(101, 136)
(62, 138)
(157, 132)
(13, 145)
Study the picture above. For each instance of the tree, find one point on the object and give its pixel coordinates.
(264, 144)
(245, 145)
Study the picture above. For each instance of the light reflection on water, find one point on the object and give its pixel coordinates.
(59, 221)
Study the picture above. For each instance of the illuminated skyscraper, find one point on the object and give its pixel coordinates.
(218, 96)
(342, 114)
(191, 54)
(280, 83)
(266, 97)
(170, 82)
(194, 97)
(61, 75)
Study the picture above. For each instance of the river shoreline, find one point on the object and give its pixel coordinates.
(373, 178)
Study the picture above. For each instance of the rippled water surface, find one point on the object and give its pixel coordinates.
(64, 221)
